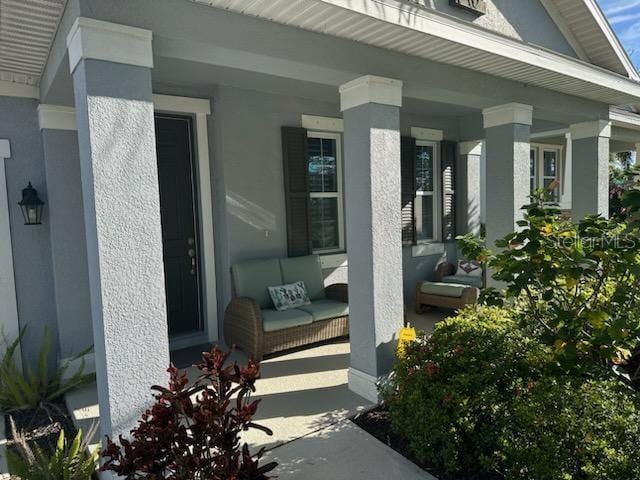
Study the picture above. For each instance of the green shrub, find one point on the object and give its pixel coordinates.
(564, 428)
(577, 283)
(449, 389)
(69, 461)
(483, 395)
(32, 388)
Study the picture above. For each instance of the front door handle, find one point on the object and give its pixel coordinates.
(192, 254)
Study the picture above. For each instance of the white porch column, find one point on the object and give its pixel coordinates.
(590, 169)
(507, 134)
(469, 186)
(114, 106)
(371, 107)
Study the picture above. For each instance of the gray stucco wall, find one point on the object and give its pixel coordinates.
(526, 20)
(31, 244)
(68, 245)
(248, 180)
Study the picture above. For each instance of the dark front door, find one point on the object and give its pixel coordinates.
(178, 213)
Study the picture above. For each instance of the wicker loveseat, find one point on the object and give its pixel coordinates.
(253, 324)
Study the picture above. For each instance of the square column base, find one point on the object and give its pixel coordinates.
(364, 385)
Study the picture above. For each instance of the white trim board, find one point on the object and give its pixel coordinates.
(200, 108)
(9, 324)
(325, 124)
(427, 134)
(56, 117)
(14, 89)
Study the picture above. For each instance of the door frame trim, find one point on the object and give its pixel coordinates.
(200, 109)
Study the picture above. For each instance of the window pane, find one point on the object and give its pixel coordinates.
(549, 164)
(323, 175)
(324, 223)
(424, 217)
(532, 163)
(424, 168)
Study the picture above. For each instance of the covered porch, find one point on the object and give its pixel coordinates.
(236, 81)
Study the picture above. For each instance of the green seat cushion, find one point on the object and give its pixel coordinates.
(306, 269)
(443, 289)
(252, 279)
(273, 320)
(464, 280)
(325, 309)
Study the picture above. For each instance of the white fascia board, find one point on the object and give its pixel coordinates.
(111, 42)
(471, 37)
(56, 117)
(14, 89)
(323, 124)
(624, 119)
(370, 89)
(427, 134)
(558, 132)
(508, 114)
(612, 38)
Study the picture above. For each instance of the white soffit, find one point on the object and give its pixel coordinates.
(404, 27)
(590, 28)
(27, 28)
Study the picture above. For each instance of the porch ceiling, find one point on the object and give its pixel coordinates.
(413, 30)
(27, 28)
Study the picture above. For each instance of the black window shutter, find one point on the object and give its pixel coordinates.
(448, 166)
(296, 189)
(408, 188)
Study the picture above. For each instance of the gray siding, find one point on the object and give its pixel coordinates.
(31, 244)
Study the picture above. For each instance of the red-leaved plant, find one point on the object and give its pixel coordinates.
(193, 431)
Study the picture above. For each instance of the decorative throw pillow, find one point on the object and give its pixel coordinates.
(469, 268)
(289, 296)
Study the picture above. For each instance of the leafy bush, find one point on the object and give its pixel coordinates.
(576, 283)
(71, 461)
(482, 395)
(450, 388)
(567, 428)
(193, 431)
(30, 389)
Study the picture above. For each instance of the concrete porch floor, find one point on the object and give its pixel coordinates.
(305, 400)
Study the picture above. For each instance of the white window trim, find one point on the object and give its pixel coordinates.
(339, 194)
(437, 193)
(200, 108)
(540, 148)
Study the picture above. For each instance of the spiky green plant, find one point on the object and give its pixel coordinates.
(69, 461)
(32, 388)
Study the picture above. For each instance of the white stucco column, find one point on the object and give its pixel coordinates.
(507, 143)
(590, 168)
(469, 173)
(9, 326)
(371, 107)
(111, 66)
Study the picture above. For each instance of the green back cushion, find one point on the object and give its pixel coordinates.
(306, 269)
(252, 279)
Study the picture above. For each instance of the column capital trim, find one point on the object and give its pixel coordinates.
(370, 89)
(5, 149)
(508, 114)
(472, 147)
(595, 128)
(111, 42)
(427, 134)
(56, 117)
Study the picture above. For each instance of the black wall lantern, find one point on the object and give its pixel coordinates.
(31, 206)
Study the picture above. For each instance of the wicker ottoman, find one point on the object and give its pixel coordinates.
(447, 295)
